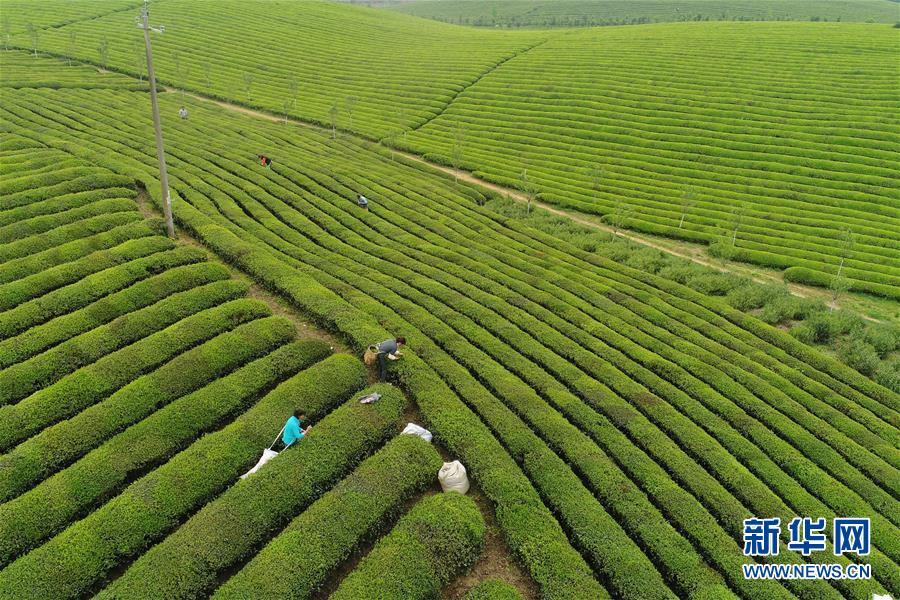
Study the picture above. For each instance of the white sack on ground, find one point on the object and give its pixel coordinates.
(413, 429)
(266, 457)
(453, 477)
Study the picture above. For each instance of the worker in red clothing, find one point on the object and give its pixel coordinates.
(264, 160)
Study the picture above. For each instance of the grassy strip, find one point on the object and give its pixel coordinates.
(91, 384)
(78, 559)
(38, 284)
(88, 289)
(441, 536)
(530, 529)
(143, 446)
(493, 589)
(21, 380)
(142, 294)
(43, 223)
(59, 445)
(330, 530)
(76, 249)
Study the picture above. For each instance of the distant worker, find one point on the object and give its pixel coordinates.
(363, 202)
(292, 429)
(388, 350)
(264, 160)
(182, 113)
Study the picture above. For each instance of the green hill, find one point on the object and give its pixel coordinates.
(773, 143)
(621, 425)
(591, 13)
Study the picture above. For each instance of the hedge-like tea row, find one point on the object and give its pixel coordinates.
(71, 251)
(61, 203)
(20, 380)
(57, 446)
(73, 180)
(92, 287)
(90, 384)
(595, 138)
(226, 531)
(82, 555)
(46, 223)
(37, 243)
(493, 589)
(27, 288)
(387, 94)
(530, 529)
(141, 447)
(463, 352)
(329, 531)
(637, 409)
(140, 295)
(441, 536)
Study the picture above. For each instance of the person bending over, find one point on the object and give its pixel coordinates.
(388, 350)
(293, 431)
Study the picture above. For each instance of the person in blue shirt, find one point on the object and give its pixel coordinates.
(292, 429)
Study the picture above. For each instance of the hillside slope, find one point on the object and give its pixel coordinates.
(622, 426)
(591, 13)
(774, 143)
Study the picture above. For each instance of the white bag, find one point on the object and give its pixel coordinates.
(453, 477)
(268, 455)
(413, 429)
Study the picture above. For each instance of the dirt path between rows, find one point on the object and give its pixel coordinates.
(695, 256)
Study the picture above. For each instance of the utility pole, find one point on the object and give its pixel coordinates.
(144, 23)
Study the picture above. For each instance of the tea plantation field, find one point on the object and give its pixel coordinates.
(591, 13)
(620, 425)
(782, 154)
(771, 143)
(138, 381)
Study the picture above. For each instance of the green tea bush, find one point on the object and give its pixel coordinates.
(140, 295)
(754, 295)
(158, 502)
(93, 287)
(441, 536)
(57, 446)
(884, 337)
(225, 532)
(329, 531)
(90, 384)
(790, 308)
(888, 373)
(46, 223)
(493, 589)
(27, 288)
(715, 284)
(20, 380)
(859, 354)
(70, 251)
